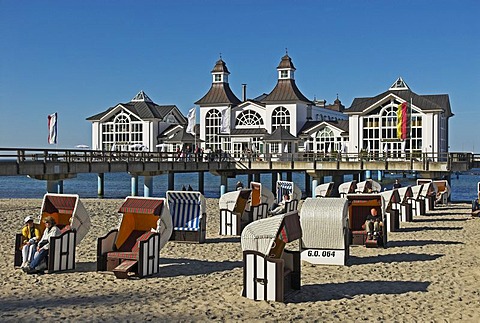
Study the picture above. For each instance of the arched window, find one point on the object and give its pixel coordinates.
(122, 131)
(213, 121)
(249, 118)
(325, 140)
(280, 118)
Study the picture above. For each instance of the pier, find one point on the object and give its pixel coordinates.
(56, 165)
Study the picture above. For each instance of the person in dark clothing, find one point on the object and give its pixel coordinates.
(397, 184)
(373, 224)
(189, 188)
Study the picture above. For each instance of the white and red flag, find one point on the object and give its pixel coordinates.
(52, 128)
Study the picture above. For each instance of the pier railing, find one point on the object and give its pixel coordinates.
(455, 161)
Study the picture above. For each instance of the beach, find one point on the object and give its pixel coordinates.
(429, 272)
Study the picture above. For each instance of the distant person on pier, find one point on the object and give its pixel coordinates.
(397, 184)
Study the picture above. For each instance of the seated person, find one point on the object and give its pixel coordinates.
(476, 206)
(280, 208)
(373, 224)
(31, 234)
(51, 230)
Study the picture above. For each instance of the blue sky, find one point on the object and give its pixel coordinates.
(79, 58)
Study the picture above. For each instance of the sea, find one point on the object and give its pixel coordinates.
(118, 185)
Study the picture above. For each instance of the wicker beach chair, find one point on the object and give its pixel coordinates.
(324, 190)
(429, 192)
(134, 248)
(261, 201)
(368, 186)
(406, 213)
(417, 200)
(325, 238)
(188, 210)
(290, 188)
(72, 219)
(234, 211)
(270, 271)
(443, 192)
(392, 209)
(358, 209)
(347, 188)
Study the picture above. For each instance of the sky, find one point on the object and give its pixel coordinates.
(78, 58)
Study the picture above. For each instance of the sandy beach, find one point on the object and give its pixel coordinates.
(430, 272)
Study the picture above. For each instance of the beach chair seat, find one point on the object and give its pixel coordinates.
(188, 210)
(271, 271)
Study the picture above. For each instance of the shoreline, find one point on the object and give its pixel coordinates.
(429, 272)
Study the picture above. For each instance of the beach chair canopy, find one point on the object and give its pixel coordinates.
(290, 188)
(347, 187)
(186, 208)
(390, 197)
(261, 194)
(429, 189)
(66, 209)
(443, 186)
(261, 235)
(324, 190)
(416, 191)
(324, 223)
(142, 214)
(235, 201)
(368, 186)
(405, 193)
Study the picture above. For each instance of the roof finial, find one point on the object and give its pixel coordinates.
(337, 96)
(286, 50)
(220, 55)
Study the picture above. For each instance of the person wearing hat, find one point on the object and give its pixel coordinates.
(31, 233)
(239, 186)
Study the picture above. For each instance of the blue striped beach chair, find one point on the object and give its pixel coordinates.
(286, 187)
(188, 215)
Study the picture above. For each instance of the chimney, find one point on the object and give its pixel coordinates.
(244, 92)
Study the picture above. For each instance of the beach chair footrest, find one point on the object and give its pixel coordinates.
(126, 266)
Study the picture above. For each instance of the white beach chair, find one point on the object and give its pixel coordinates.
(325, 238)
(347, 188)
(72, 219)
(406, 212)
(324, 190)
(134, 248)
(392, 209)
(269, 270)
(417, 200)
(234, 211)
(262, 200)
(368, 186)
(294, 192)
(188, 210)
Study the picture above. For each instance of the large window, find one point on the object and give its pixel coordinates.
(121, 132)
(249, 118)
(213, 121)
(380, 132)
(324, 141)
(280, 118)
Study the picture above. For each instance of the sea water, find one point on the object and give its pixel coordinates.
(118, 185)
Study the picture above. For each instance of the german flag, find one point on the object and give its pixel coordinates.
(403, 121)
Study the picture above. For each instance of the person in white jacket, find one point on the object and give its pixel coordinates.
(51, 230)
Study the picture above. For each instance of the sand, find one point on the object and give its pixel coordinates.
(430, 272)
